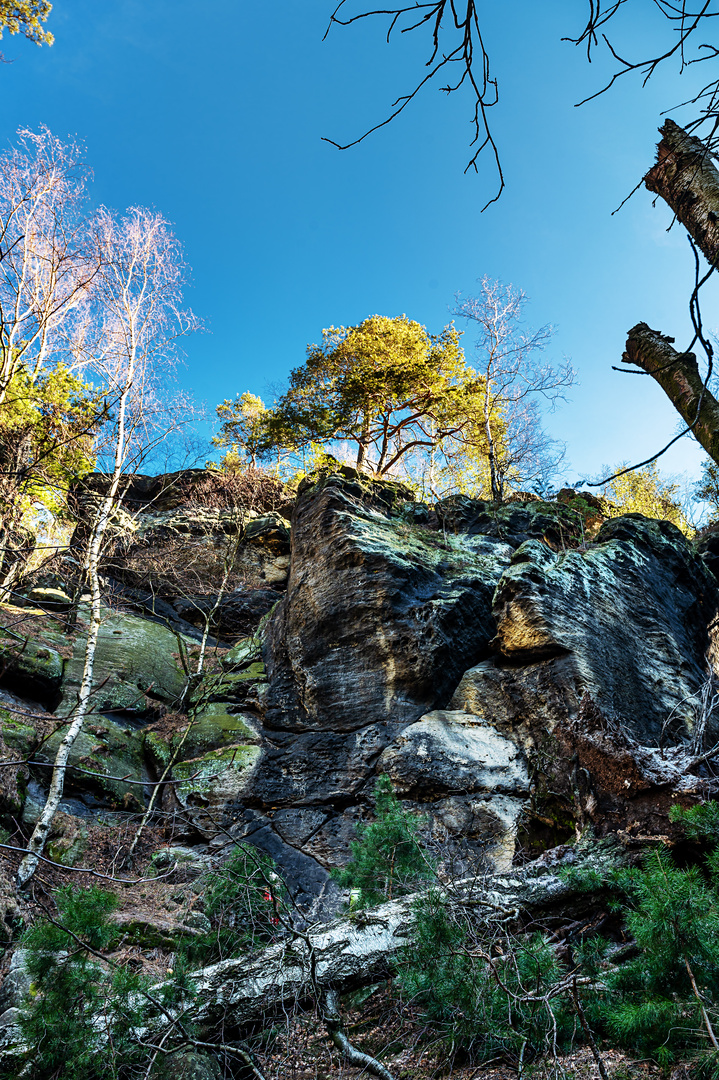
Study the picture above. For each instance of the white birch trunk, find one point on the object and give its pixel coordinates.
(36, 844)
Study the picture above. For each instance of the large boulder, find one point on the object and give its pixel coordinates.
(109, 756)
(33, 650)
(216, 725)
(601, 654)
(382, 615)
(473, 782)
(135, 660)
(446, 752)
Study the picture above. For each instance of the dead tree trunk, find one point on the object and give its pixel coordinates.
(357, 950)
(687, 179)
(679, 377)
(362, 948)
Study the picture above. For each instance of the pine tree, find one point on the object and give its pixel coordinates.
(387, 858)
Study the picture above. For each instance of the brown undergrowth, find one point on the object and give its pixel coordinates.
(300, 1049)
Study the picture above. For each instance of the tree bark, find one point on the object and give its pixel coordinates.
(333, 1023)
(678, 375)
(687, 179)
(361, 949)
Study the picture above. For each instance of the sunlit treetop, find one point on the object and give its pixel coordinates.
(26, 17)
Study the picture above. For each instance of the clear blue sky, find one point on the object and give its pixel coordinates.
(217, 122)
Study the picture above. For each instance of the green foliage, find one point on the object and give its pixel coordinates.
(243, 901)
(499, 994)
(707, 489)
(386, 385)
(482, 996)
(46, 436)
(644, 491)
(651, 1004)
(26, 17)
(84, 1012)
(387, 857)
(71, 986)
(244, 429)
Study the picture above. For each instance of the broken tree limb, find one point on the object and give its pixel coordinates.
(678, 375)
(686, 177)
(333, 1023)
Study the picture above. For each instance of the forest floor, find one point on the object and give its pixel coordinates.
(301, 1050)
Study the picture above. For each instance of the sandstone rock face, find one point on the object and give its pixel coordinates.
(134, 657)
(381, 616)
(449, 752)
(461, 649)
(472, 781)
(601, 656)
(625, 621)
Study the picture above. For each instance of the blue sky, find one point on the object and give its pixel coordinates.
(217, 122)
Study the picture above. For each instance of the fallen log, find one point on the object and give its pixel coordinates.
(360, 949)
(351, 952)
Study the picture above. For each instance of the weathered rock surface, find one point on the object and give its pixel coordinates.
(614, 638)
(466, 650)
(626, 621)
(109, 751)
(135, 659)
(449, 752)
(31, 653)
(379, 623)
(381, 616)
(472, 781)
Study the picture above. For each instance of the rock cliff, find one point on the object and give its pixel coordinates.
(515, 680)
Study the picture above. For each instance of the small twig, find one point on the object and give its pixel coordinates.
(87, 869)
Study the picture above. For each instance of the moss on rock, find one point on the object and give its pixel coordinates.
(134, 657)
(107, 749)
(30, 655)
(216, 778)
(21, 737)
(213, 727)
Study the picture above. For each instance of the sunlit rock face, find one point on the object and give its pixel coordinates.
(627, 621)
(599, 662)
(461, 664)
(473, 780)
(382, 615)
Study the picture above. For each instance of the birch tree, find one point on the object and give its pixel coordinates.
(514, 383)
(47, 259)
(47, 269)
(129, 335)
